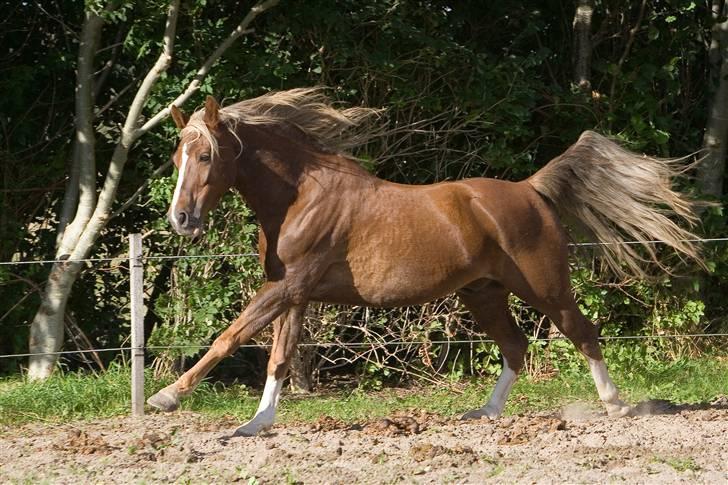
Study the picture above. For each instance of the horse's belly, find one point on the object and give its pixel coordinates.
(390, 285)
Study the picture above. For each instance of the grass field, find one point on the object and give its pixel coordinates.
(80, 396)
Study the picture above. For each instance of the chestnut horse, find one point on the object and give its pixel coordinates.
(332, 232)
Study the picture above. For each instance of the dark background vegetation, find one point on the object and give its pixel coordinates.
(492, 83)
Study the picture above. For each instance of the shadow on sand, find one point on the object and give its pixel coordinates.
(653, 407)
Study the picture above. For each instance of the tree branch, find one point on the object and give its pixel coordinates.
(129, 132)
(627, 48)
(194, 85)
(115, 47)
(102, 213)
(138, 192)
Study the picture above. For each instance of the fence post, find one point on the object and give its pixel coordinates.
(136, 292)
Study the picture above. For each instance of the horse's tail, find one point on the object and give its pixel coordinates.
(618, 196)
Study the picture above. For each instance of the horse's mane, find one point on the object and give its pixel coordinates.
(309, 109)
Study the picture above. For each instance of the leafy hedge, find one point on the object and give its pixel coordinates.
(491, 81)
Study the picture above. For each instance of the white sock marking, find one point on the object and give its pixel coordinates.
(605, 387)
(271, 394)
(502, 388)
(265, 416)
(178, 188)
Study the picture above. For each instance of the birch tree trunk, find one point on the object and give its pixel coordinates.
(711, 170)
(46, 330)
(76, 239)
(582, 44)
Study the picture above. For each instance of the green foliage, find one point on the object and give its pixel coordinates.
(204, 294)
(67, 396)
(498, 72)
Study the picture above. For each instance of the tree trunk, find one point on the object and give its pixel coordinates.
(46, 331)
(715, 141)
(92, 213)
(82, 196)
(582, 44)
(301, 371)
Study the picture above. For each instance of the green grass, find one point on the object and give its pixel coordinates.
(679, 464)
(80, 396)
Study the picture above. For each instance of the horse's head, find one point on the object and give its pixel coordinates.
(205, 159)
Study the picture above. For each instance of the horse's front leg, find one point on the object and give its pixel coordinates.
(269, 302)
(286, 334)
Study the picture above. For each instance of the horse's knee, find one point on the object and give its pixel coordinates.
(224, 346)
(279, 360)
(278, 367)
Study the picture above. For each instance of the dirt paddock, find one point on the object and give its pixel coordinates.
(665, 444)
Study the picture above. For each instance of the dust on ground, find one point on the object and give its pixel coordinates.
(662, 443)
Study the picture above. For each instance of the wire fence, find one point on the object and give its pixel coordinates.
(162, 257)
(353, 345)
(152, 257)
(331, 354)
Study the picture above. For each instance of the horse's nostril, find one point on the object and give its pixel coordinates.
(182, 219)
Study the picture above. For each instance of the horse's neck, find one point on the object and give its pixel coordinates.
(281, 171)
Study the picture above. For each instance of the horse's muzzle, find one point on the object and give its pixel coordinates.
(186, 224)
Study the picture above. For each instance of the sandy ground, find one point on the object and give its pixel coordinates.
(667, 444)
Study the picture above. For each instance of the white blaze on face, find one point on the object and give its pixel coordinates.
(180, 178)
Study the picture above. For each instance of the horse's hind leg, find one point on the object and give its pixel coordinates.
(487, 302)
(286, 334)
(577, 328)
(543, 282)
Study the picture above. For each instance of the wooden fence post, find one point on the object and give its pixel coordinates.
(136, 292)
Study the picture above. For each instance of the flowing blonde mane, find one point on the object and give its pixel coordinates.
(309, 109)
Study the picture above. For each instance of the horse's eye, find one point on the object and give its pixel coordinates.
(205, 157)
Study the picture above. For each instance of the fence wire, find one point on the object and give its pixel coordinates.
(161, 257)
(356, 345)
(125, 258)
(153, 257)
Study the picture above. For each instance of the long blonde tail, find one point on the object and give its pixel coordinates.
(616, 196)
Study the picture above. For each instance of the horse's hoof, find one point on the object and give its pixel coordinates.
(618, 410)
(165, 400)
(480, 413)
(248, 430)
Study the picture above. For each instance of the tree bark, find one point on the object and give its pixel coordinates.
(92, 215)
(46, 329)
(711, 170)
(301, 371)
(582, 44)
(80, 195)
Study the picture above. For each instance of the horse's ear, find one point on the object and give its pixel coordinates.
(180, 119)
(212, 114)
